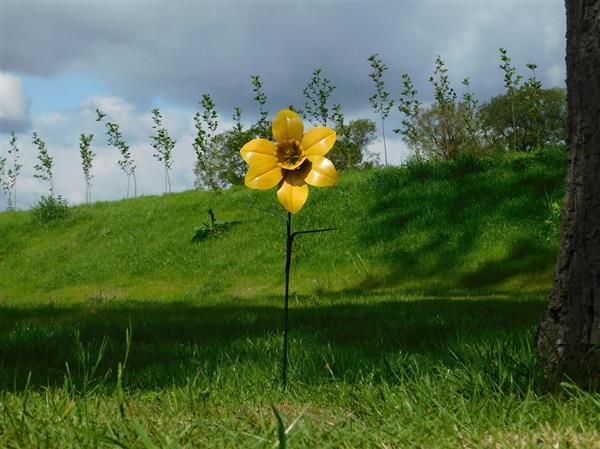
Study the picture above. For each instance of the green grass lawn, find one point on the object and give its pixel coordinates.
(411, 326)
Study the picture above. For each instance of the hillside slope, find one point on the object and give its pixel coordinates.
(471, 225)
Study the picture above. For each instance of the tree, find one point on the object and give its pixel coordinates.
(126, 163)
(9, 175)
(380, 100)
(263, 125)
(44, 169)
(350, 149)
(206, 124)
(471, 116)
(227, 166)
(569, 333)
(539, 119)
(441, 132)
(511, 83)
(410, 108)
(163, 146)
(533, 90)
(317, 94)
(87, 159)
(3, 180)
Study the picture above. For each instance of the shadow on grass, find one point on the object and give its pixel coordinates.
(475, 223)
(171, 341)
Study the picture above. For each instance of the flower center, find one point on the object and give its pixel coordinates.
(290, 154)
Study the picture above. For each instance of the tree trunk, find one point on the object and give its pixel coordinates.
(569, 334)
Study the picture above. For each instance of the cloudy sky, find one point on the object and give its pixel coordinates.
(60, 60)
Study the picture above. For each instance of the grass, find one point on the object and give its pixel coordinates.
(411, 326)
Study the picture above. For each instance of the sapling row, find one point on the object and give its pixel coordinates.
(451, 124)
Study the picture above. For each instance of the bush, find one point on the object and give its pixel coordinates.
(350, 149)
(533, 128)
(442, 132)
(51, 208)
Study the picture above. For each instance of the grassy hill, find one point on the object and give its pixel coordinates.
(411, 326)
(476, 225)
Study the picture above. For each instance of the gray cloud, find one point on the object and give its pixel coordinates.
(179, 50)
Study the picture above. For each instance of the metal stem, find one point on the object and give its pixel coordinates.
(288, 262)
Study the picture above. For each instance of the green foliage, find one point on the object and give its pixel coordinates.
(227, 168)
(410, 108)
(317, 93)
(448, 127)
(127, 162)
(533, 89)
(163, 146)
(471, 118)
(526, 117)
(511, 78)
(222, 165)
(263, 125)
(380, 100)
(445, 129)
(444, 94)
(205, 144)
(552, 220)
(50, 208)
(100, 115)
(511, 83)
(519, 120)
(213, 228)
(350, 149)
(43, 169)
(4, 183)
(441, 132)
(87, 159)
(9, 174)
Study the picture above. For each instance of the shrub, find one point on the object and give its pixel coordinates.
(51, 208)
(440, 132)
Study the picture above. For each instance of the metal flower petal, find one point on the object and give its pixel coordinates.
(292, 192)
(318, 141)
(263, 176)
(291, 163)
(287, 126)
(259, 151)
(322, 172)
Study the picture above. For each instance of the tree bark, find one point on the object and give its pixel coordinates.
(569, 334)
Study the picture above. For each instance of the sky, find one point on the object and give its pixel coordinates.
(60, 60)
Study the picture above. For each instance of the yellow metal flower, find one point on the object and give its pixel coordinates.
(294, 161)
